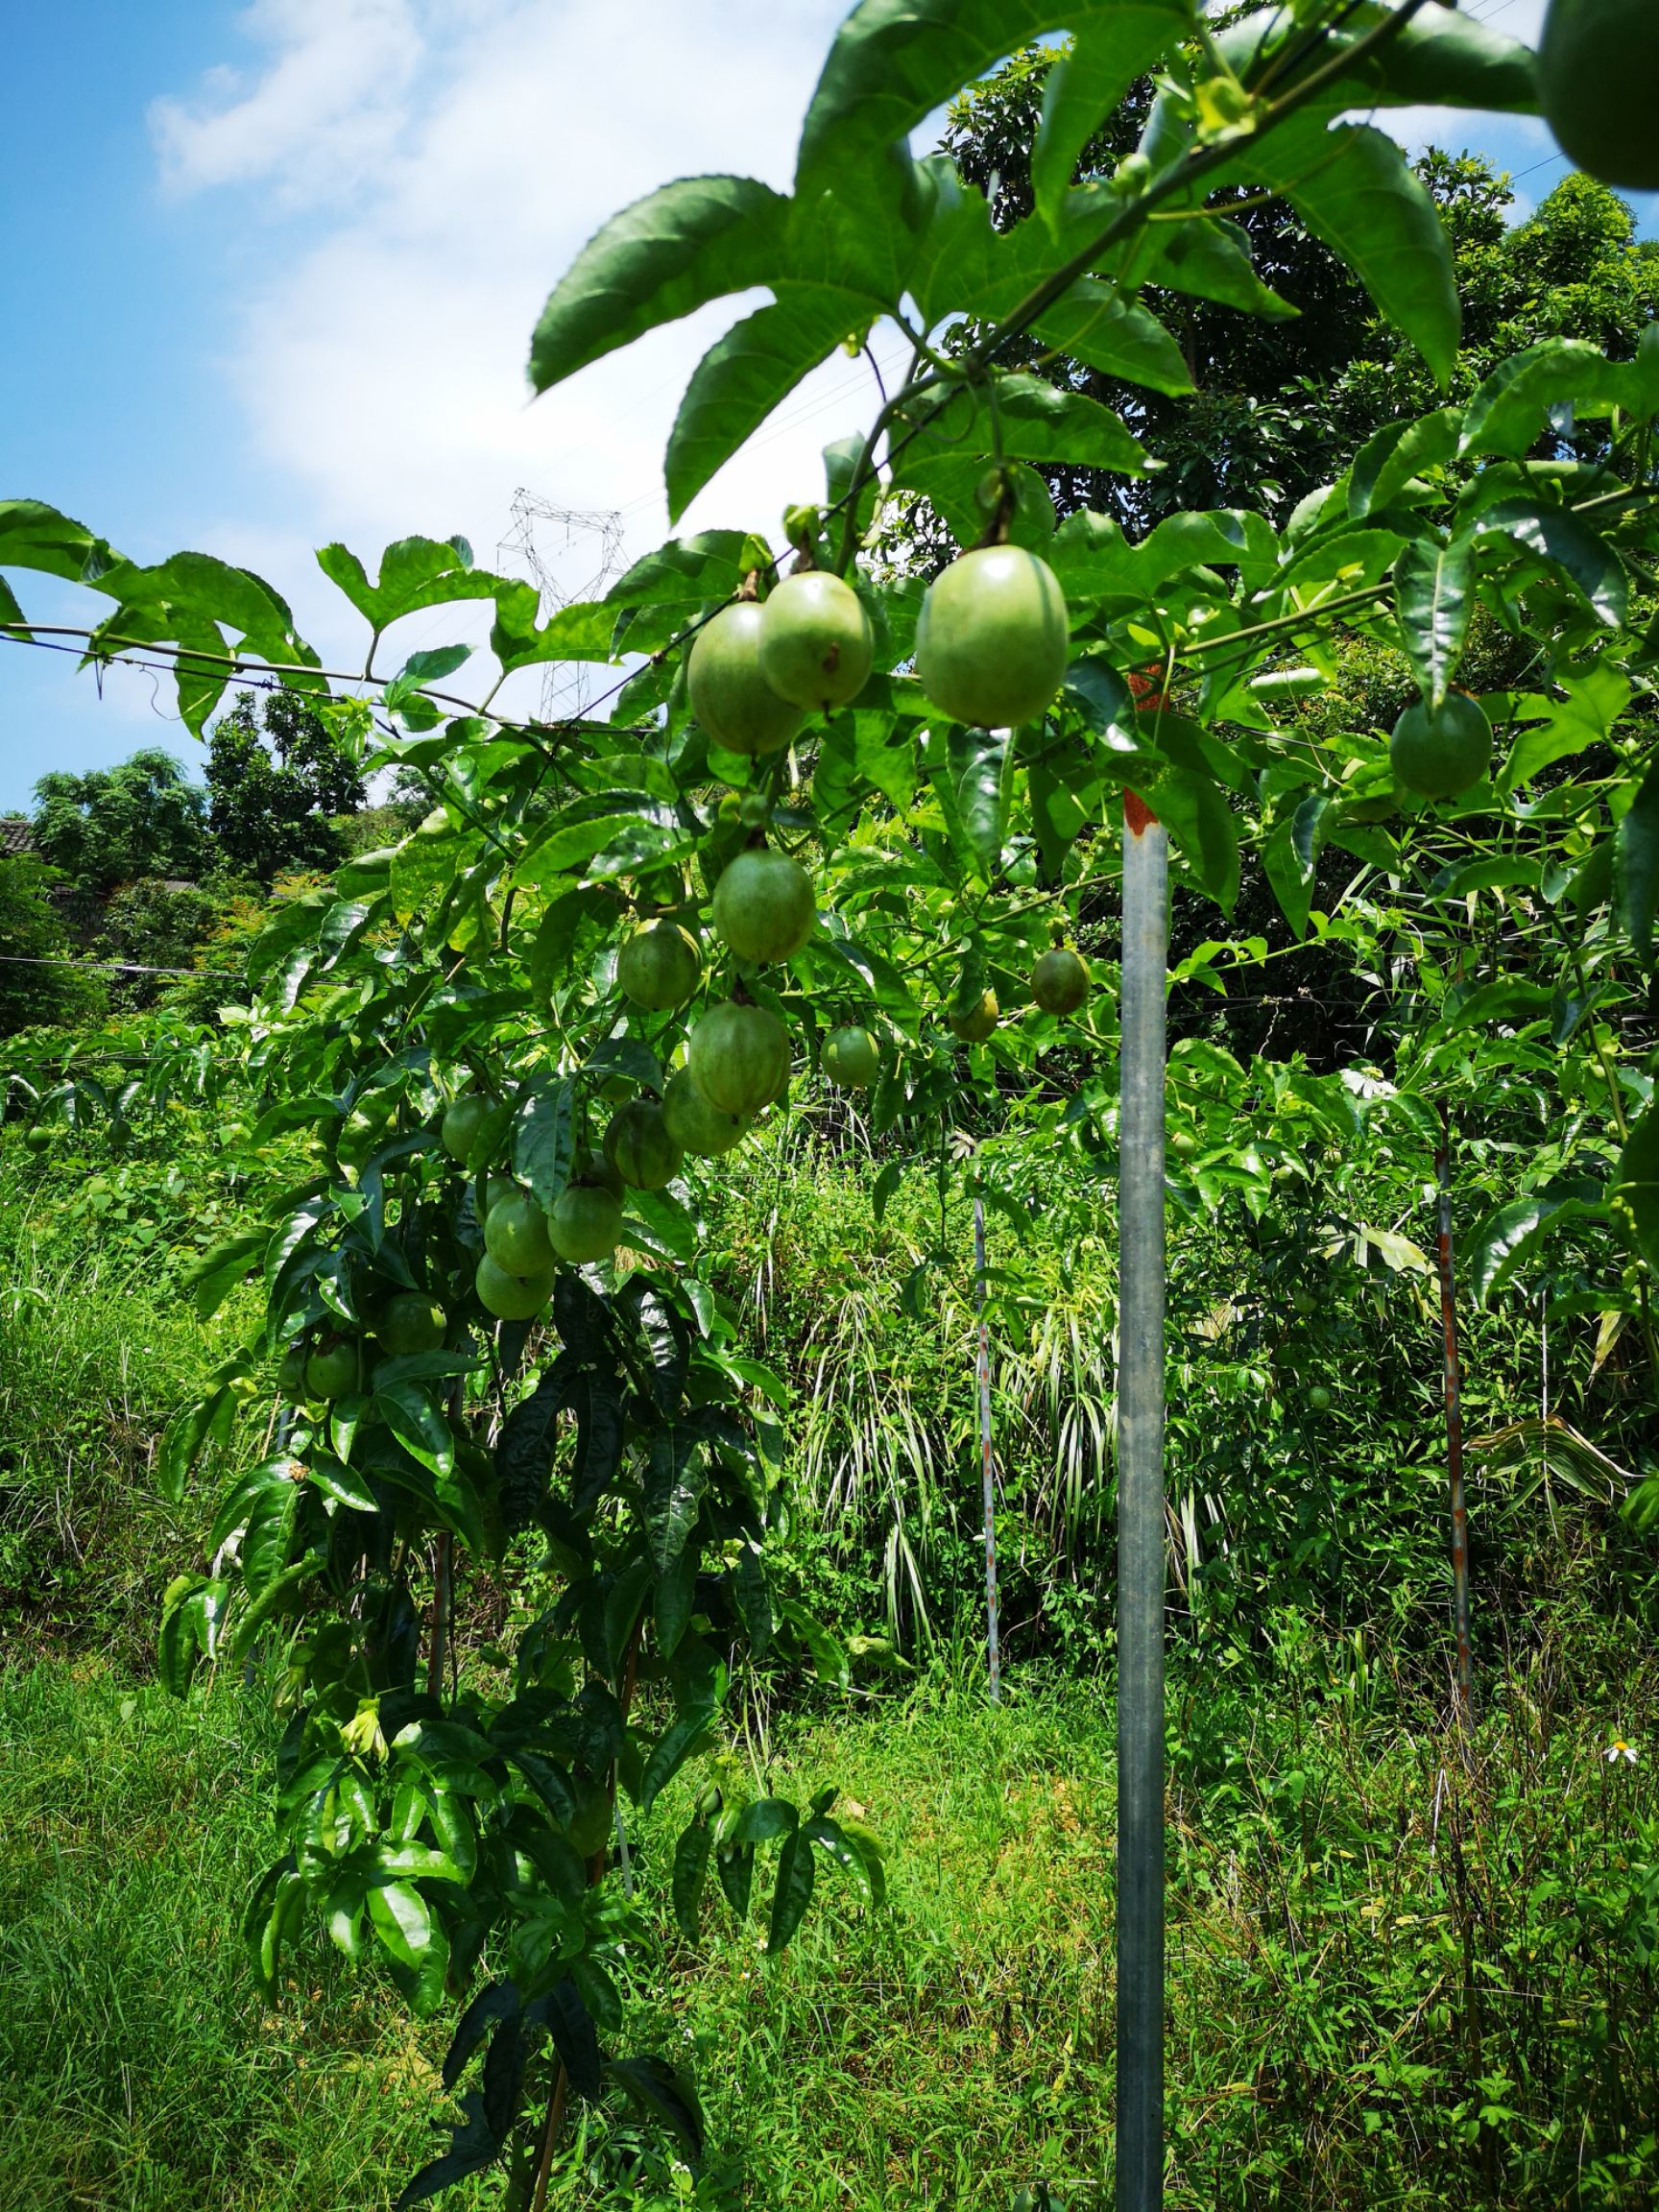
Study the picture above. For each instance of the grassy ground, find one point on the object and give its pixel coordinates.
(1393, 1982)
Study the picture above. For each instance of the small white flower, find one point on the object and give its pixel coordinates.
(1619, 1750)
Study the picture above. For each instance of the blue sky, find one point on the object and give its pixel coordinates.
(270, 269)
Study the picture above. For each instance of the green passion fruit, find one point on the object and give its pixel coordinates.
(516, 1235)
(658, 967)
(410, 1323)
(693, 1124)
(851, 1058)
(1598, 84)
(739, 1057)
(1320, 1398)
(764, 906)
(463, 1119)
(975, 1022)
(816, 643)
(331, 1372)
(586, 1223)
(991, 641)
(508, 1297)
(729, 696)
(638, 1147)
(40, 1138)
(1440, 750)
(1060, 981)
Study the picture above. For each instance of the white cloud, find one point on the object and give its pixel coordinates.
(381, 366)
(322, 118)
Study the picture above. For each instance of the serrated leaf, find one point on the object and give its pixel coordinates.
(673, 1747)
(1512, 409)
(1636, 864)
(1353, 189)
(212, 1278)
(1093, 324)
(1434, 599)
(673, 251)
(747, 374)
(1390, 457)
(1556, 535)
(792, 1891)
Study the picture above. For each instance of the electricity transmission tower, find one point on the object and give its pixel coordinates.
(540, 534)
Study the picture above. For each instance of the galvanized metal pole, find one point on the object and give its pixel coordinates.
(1454, 1392)
(1140, 1552)
(986, 1481)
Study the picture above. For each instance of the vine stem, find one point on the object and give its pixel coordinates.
(551, 2126)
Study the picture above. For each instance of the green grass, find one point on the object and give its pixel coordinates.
(1369, 1951)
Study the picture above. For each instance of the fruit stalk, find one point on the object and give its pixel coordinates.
(1454, 1388)
(987, 1487)
(1141, 1557)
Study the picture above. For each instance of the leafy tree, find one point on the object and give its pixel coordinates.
(154, 924)
(112, 826)
(492, 1032)
(277, 776)
(32, 930)
(1278, 398)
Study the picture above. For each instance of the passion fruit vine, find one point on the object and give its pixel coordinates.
(693, 1124)
(638, 1147)
(658, 967)
(816, 643)
(739, 1057)
(991, 639)
(1598, 84)
(1440, 750)
(764, 906)
(516, 1235)
(586, 1223)
(1060, 981)
(851, 1058)
(729, 696)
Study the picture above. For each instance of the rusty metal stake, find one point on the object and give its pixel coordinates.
(1141, 1548)
(1453, 1389)
(985, 1481)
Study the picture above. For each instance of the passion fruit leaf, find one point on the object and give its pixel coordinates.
(35, 536)
(668, 255)
(1512, 407)
(1566, 541)
(1435, 597)
(663, 2094)
(1390, 457)
(1035, 420)
(982, 772)
(415, 573)
(1209, 259)
(1354, 189)
(1291, 855)
(1634, 1195)
(672, 1750)
(1112, 47)
(1511, 1235)
(1116, 336)
(894, 62)
(748, 372)
(1636, 865)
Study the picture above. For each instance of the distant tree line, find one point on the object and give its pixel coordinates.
(138, 863)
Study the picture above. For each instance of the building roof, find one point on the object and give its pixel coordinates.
(16, 833)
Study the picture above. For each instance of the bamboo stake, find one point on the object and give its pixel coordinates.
(986, 1480)
(1141, 1548)
(1453, 1395)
